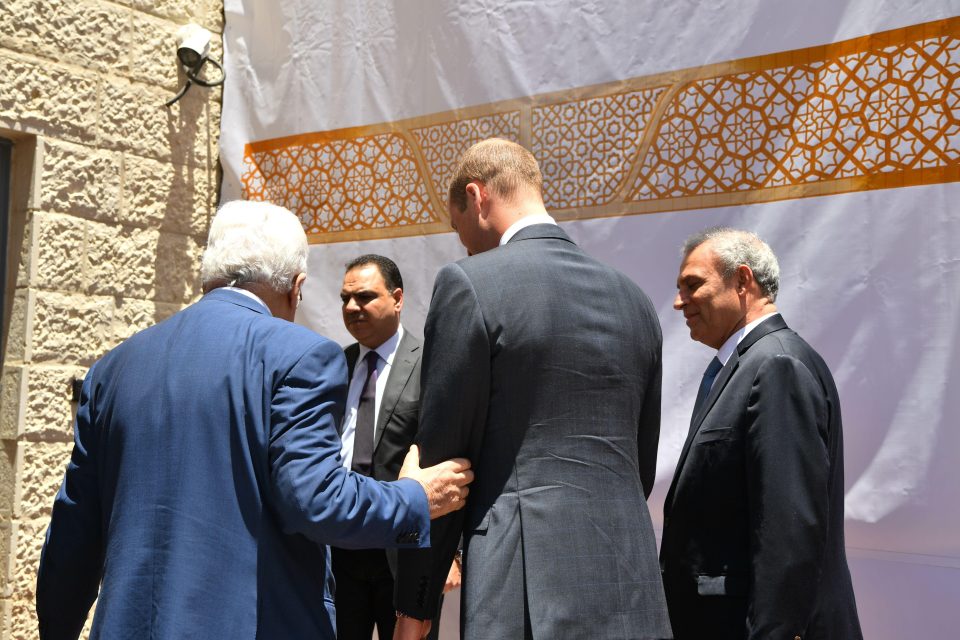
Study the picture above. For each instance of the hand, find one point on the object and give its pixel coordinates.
(411, 629)
(445, 483)
(453, 578)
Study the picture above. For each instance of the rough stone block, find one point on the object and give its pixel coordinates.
(13, 391)
(121, 260)
(7, 543)
(26, 543)
(16, 346)
(133, 119)
(40, 470)
(49, 413)
(69, 329)
(79, 180)
(47, 99)
(8, 484)
(58, 247)
(93, 35)
(174, 198)
(177, 268)
(153, 53)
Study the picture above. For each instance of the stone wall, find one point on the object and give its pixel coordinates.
(112, 194)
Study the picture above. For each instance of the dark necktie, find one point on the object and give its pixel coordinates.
(366, 419)
(708, 377)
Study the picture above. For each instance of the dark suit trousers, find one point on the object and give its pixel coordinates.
(364, 596)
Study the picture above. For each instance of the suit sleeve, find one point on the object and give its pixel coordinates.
(313, 494)
(71, 562)
(648, 432)
(787, 476)
(454, 394)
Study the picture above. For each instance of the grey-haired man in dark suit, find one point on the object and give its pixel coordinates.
(753, 521)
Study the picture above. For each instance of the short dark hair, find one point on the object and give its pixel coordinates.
(387, 268)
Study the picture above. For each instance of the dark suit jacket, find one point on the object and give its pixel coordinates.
(399, 411)
(542, 366)
(753, 521)
(399, 408)
(206, 480)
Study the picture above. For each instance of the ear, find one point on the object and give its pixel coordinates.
(474, 193)
(296, 290)
(744, 278)
(398, 299)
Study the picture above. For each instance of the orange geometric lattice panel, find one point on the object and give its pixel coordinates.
(870, 113)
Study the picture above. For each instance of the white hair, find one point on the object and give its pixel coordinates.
(254, 242)
(734, 247)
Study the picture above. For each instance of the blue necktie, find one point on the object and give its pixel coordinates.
(705, 383)
(366, 419)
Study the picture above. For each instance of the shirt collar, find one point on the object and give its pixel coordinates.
(250, 295)
(728, 347)
(387, 350)
(524, 222)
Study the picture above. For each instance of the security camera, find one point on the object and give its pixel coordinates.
(193, 45)
(193, 52)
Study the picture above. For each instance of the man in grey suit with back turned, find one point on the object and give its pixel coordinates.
(379, 426)
(753, 521)
(543, 366)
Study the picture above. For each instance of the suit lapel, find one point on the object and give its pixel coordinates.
(403, 365)
(766, 327)
(352, 353)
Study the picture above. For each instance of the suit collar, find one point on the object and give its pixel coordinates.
(768, 326)
(540, 231)
(224, 294)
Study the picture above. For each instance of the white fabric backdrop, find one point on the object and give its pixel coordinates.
(870, 278)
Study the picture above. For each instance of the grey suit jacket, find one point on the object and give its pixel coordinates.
(753, 521)
(542, 366)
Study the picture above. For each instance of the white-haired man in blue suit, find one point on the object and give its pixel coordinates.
(206, 478)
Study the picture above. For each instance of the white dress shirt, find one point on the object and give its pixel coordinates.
(386, 351)
(522, 223)
(726, 350)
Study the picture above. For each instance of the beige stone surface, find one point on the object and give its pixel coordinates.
(26, 542)
(208, 13)
(12, 397)
(58, 251)
(40, 467)
(173, 197)
(121, 260)
(153, 52)
(79, 180)
(49, 414)
(177, 269)
(19, 326)
(133, 118)
(91, 34)
(8, 479)
(68, 328)
(39, 97)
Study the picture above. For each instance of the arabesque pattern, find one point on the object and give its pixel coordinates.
(442, 144)
(586, 148)
(876, 112)
(869, 113)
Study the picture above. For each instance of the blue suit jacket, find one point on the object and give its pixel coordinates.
(205, 481)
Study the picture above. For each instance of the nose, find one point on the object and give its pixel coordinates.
(678, 302)
(351, 305)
